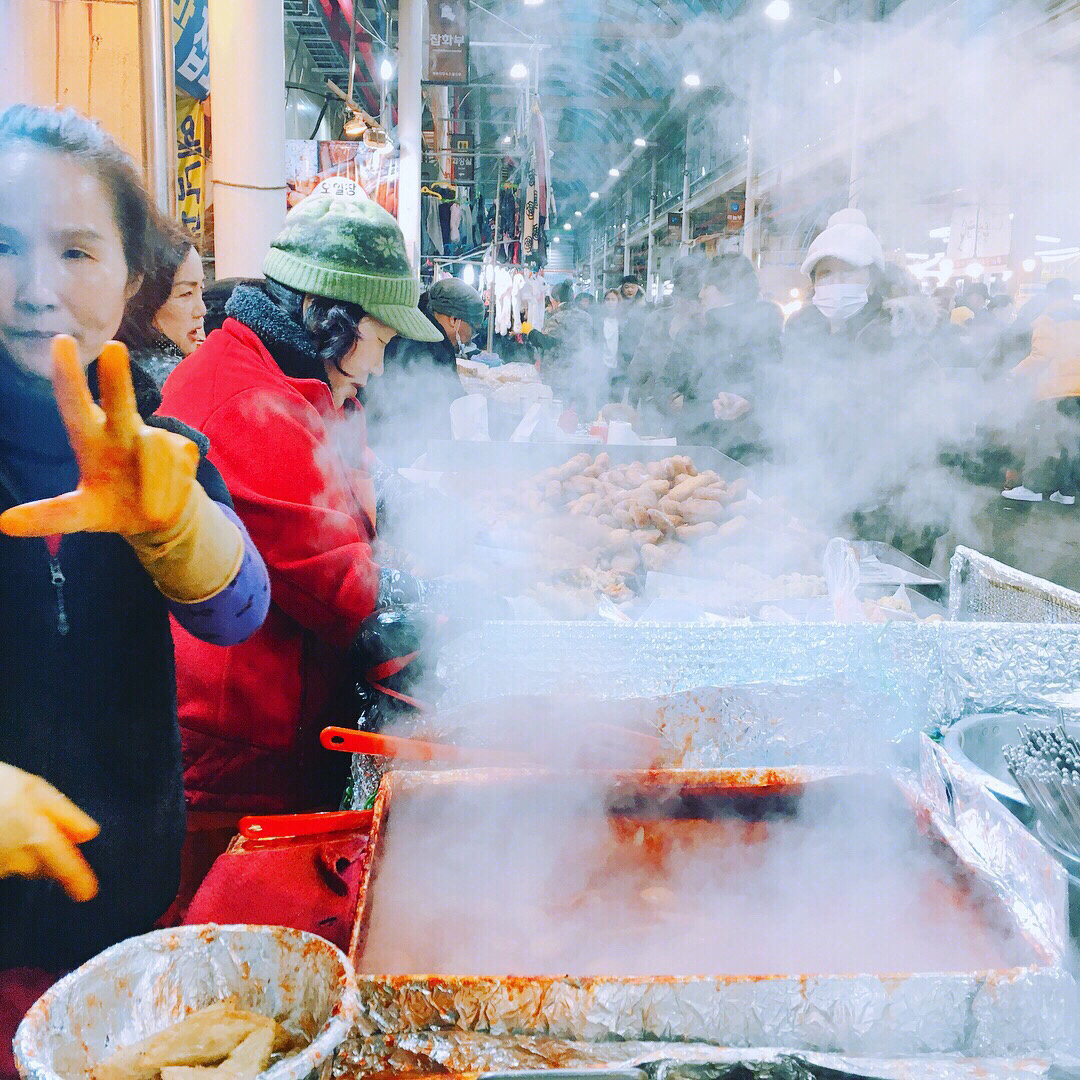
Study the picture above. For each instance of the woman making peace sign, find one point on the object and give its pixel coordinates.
(109, 525)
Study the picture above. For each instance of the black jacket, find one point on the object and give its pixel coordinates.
(409, 403)
(93, 711)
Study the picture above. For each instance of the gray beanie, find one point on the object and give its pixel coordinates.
(453, 297)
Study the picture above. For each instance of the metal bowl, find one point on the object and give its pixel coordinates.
(977, 743)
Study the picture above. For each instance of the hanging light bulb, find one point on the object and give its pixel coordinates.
(386, 69)
(468, 275)
(519, 71)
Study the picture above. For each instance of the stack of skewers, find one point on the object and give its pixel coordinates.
(1046, 767)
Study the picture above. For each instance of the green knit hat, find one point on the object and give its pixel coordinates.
(350, 250)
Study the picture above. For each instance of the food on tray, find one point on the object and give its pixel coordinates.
(596, 529)
(220, 1042)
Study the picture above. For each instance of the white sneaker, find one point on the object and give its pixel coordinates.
(1021, 494)
(1065, 500)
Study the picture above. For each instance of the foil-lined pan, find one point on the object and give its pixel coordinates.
(909, 677)
(456, 1053)
(143, 985)
(1019, 1010)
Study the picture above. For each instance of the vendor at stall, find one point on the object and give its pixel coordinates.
(410, 404)
(129, 524)
(275, 391)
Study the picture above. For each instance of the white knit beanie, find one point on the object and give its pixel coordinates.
(847, 238)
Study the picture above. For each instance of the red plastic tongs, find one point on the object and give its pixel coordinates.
(351, 741)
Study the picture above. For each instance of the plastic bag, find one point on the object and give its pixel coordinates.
(841, 571)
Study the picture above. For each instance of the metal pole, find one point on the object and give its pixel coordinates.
(684, 247)
(650, 266)
(494, 259)
(249, 131)
(749, 235)
(159, 101)
(410, 115)
(592, 266)
(603, 265)
(855, 168)
(626, 237)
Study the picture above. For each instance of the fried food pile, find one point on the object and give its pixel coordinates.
(598, 528)
(220, 1042)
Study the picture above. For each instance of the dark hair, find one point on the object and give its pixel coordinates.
(613, 292)
(68, 132)
(584, 299)
(630, 279)
(168, 248)
(333, 325)
(216, 296)
(734, 275)
(563, 292)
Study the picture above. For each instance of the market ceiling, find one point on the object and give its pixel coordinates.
(607, 72)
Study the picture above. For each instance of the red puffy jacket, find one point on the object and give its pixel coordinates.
(250, 714)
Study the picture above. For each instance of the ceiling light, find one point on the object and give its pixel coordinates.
(836, 76)
(533, 3)
(639, 141)
(795, 294)
(468, 275)
(614, 173)
(567, 226)
(556, 239)
(577, 213)
(778, 10)
(386, 70)
(519, 71)
(507, 140)
(692, 79)
(1029, 266)
(1048, 239)
(941, 234)
(594, 194)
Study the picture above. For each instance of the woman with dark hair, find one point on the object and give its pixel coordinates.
(163, 321)
(270, 389)
(129, 524)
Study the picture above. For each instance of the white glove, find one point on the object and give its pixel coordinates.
(730, 406)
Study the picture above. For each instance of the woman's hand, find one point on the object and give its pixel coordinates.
(133, 479)
(39, 833)
(730, 406)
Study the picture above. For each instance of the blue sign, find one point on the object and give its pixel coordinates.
(191, 34)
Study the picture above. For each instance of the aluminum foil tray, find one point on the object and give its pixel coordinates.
(144, 984)
(927, 675)
(1012, 1011)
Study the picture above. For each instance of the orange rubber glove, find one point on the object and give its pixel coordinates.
(39, 831)
(134, 480)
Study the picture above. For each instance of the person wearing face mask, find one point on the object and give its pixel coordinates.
(410, 404)
(113, 520)
(275, 391)
(844, 264)
(608, 326)
(163, 322)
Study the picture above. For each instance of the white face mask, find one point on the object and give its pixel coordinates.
(840, 301)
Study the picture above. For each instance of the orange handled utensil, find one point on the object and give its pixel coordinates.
(276, 826)
(351, 741)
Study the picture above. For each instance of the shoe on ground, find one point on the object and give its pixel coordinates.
(1065, 500)
(1021, 494)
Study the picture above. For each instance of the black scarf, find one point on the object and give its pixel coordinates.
(294, 350)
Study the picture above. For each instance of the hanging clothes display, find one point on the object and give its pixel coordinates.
(530, 224)
(504, 307)
(432, 225)
(533, 297)
(455, 223)
(508, 217)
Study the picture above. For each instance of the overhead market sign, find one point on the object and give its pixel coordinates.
(448, 42)
(191, 35)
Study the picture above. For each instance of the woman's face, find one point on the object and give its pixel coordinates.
(180, 318)
(365, 360)
(830, 271)
(711, 298)
(611, 301)
(62, 264)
